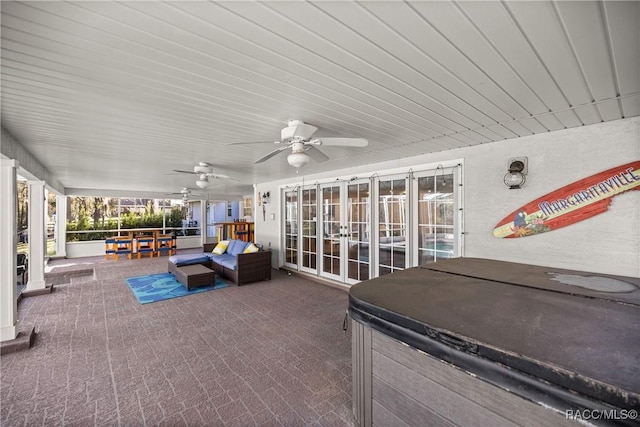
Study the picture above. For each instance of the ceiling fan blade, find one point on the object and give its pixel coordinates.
(189, 172)
(254, 142)
(189, 196)
(271, 154)
(218, 175)
(316, 154)
(345, 142)
(221, 176)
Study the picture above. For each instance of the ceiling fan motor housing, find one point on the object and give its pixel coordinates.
(297, 130)
(202, 168)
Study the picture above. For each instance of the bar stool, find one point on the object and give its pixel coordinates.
(165, 244)
(145, 245)
(123, 246)
(110, 248)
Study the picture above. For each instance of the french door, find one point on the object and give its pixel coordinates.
(356, 230)
(393, 238)
(346, 231)
(333, 231)
(309, 219)
(291, 228)
(436, 227)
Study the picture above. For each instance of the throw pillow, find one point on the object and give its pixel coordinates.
(236, 247)
(220, 247)
(250, 248)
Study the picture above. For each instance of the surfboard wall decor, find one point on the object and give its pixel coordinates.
(570, 204)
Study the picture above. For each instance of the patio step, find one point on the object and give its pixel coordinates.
(24, 340)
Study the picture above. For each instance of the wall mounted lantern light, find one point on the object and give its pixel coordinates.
(517, 174)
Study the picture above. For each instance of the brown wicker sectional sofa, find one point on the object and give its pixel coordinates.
(239, 267)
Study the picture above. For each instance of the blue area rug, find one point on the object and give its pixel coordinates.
(159, 287)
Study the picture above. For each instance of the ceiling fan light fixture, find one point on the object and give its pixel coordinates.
(298, 160)
(202, 182)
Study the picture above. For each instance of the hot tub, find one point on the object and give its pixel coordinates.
(471, 341)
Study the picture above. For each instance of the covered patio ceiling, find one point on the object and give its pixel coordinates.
(112, 97)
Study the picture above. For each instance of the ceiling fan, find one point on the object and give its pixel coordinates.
(297, 136)
(185, 193)
(204, 171)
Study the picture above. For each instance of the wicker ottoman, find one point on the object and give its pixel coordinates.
(192, 276)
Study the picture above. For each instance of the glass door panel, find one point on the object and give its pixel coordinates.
(291, 228)
(359, 232)
(309, 230)
(436, 212)
(332, 232)
(392, 225)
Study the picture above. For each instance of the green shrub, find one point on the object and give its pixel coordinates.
(128, 221)
(175, 218)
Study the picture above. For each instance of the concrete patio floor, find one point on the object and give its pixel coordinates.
(269, 353)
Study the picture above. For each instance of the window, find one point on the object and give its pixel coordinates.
(95, 218)
(247, 208)
(51, 223)
(22, 220)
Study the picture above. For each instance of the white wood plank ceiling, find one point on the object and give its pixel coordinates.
(114, 96)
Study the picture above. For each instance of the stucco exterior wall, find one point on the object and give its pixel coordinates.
(607, 243)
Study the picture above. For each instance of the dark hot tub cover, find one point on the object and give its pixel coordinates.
(564, 338)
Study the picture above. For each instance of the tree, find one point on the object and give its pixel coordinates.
(98, 211)
(22, 220)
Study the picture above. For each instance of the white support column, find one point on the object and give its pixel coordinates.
(61, 226)
(8, 244)
(37, 236)
(203, 222)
